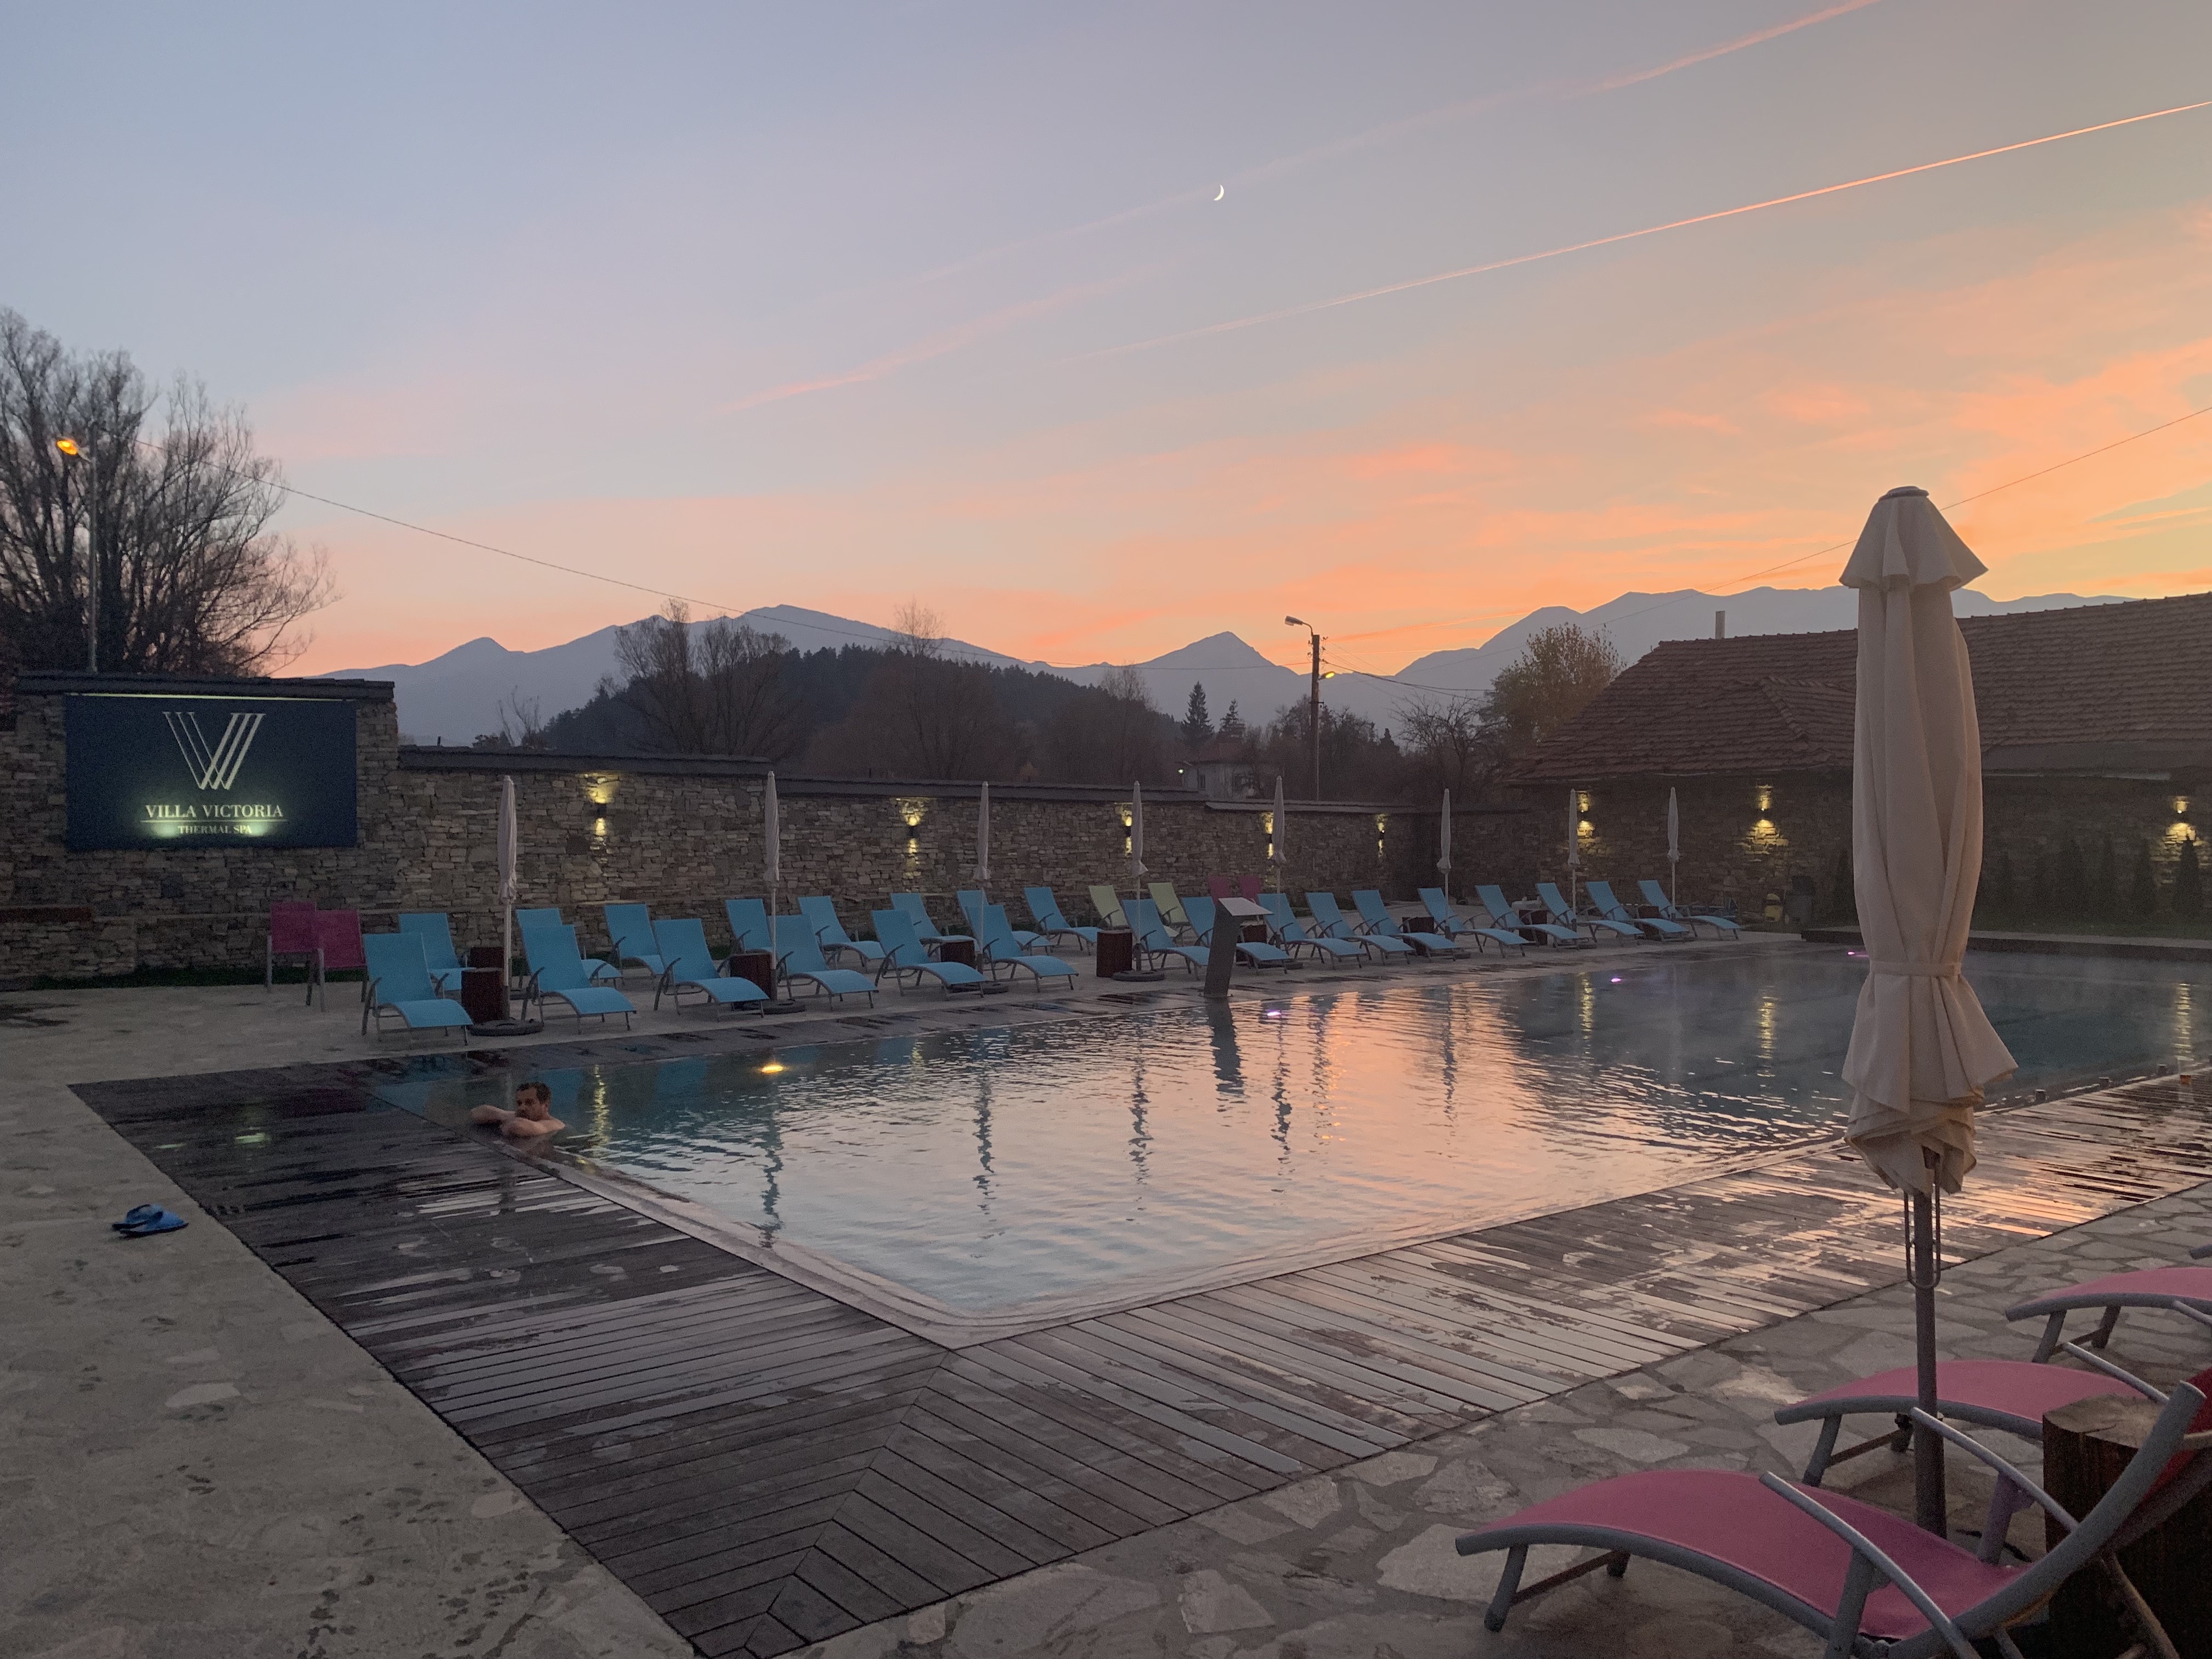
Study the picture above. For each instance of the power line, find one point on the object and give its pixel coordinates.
(1838, 547)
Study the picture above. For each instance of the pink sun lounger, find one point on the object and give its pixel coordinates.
(2181, 1290)
(1817, 1558)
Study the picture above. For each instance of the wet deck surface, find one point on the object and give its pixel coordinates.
(767, 1467)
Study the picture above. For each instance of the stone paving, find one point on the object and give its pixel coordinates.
(199, 1464)
(1359, 1565)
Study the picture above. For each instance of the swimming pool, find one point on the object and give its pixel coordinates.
(1106, 1159)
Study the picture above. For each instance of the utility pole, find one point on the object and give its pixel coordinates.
(1313, 712)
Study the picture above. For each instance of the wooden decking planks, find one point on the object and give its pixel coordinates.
(767, 1467)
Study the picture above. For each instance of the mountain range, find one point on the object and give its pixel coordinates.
(454, 697)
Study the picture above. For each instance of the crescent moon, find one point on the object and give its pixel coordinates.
(1222, 191)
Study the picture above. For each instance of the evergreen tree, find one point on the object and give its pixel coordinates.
(2142, 891)
(2188, 883)
(1232, 723)
(1197, 729)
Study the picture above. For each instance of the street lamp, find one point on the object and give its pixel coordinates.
(1314, 713)
(71, 453)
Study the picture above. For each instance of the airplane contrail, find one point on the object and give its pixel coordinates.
(1620, 236)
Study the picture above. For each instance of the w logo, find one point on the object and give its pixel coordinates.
(215, 768)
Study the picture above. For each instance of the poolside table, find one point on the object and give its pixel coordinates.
(758, 966)
(484, 994)
(1117, 953)
(955, 948)
(2084, 1447)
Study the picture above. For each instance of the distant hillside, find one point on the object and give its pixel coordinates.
(455, 697)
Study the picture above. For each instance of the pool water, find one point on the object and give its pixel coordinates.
(1088, 1157)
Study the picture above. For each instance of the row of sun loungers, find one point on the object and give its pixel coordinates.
(414, 975)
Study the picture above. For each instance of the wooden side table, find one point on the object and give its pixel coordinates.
(952, 948)
(2084, 1447)
(484, 994)
(758, 966)
(1117, 953)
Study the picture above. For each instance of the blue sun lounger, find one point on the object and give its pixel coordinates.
(1330, 919)
(1452, 925)
(1002, 948)
(688, 965)
(1290, 934)
(1044, 910)
(830, 932)
(1492, 898)
(1562, 914)
(399, 985)
(630, 927)
(972, 901)
(1153, 940)
(1603, 902)
(559, 971)
(1256, 952)
(905, 957)
(1368, 901)
(747, 918)
(439, 957)
(1655, 896)
(549, 916)
(910, 906)
(802, 959)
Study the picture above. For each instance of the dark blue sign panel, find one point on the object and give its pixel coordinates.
(163, 771)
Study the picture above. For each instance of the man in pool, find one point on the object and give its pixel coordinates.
(532, 1115)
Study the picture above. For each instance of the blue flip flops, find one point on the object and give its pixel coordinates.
(146, 1219)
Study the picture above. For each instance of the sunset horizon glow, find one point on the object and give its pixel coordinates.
(764, 311)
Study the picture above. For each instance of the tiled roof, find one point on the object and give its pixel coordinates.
(2105, 686)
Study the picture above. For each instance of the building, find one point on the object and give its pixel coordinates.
(2096, 726)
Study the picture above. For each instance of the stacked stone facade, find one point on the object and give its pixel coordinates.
(680, 834)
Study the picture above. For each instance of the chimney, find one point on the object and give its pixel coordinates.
(1720, 624)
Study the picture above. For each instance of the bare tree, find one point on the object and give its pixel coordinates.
(154, 538)
(1447, 745)
(712, 689)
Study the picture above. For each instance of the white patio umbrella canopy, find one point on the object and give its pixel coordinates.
(772, 866)
(510, 856)
(983, 836)
(1673, 847)
(1137, 871)
(1281, 851)
(1443, 844)
(1922, 1050)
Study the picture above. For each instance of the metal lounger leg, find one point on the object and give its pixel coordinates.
(2054, 1328)
(2110, 1323)
(1509, 1581)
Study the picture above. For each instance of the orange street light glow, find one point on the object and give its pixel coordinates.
(68, 447)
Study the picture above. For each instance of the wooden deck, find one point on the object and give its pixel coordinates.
(767, 1467)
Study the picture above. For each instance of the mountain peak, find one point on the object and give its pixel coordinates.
(1216, 651)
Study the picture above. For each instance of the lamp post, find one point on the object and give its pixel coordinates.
(1314, 713)
(71, 453)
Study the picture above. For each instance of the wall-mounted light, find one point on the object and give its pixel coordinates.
(2181, 806)
(1766, 798)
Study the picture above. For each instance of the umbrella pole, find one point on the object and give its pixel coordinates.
(507, 964)
(1931, 1505)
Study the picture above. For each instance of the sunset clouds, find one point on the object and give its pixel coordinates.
(781, 313)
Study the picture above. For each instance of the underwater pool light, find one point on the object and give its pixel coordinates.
(773, 1065)
(1616, 979)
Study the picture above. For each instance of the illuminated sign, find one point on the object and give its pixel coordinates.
(154, 771)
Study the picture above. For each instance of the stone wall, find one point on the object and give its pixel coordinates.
(1743, 841)
(680, 834)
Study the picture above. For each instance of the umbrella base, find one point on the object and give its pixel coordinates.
(505, 1028)
(1140, 976)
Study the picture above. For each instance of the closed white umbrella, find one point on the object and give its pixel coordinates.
(1574, 848)
(1280, 853)
(983, 838)
(510, 857)
(1443, 844)
(1674, 848)
(1922, 1050)
(772, 871)
(1137, 871)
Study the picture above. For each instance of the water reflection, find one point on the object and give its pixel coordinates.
(994, 1167)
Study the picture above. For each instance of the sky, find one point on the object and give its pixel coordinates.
(1020, 310)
